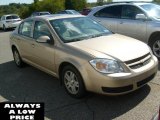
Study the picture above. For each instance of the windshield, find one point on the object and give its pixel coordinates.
(152, 10)
(79, 28)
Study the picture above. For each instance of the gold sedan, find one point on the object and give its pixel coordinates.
(83, 54)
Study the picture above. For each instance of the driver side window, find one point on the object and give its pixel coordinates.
(130, 12)
(41, 29)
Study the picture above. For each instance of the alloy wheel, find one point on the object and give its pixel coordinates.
(156, 48)
(71, 82)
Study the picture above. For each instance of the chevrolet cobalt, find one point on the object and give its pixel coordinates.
(83, 54)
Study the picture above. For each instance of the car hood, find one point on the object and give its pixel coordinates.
(114, 45)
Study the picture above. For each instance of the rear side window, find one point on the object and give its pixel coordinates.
(109, 12)
(25, 28)
(12, 17)
(8, 17)
(130, 12)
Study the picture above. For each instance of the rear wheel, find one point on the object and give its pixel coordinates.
(73, 82)
(155, 46)
(17, 58)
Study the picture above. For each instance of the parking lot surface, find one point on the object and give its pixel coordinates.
(32, 85)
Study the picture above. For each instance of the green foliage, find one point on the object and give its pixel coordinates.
(49, 5)
(75, 4)
(102, 2)
(12, 8)
(90, 5)
(109, 1)
(24, 12)
(53, 6)
(157, 1)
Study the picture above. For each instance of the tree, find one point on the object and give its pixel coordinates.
(50, 5)
(24, 12)
(100, 2)
(69, 4)
(53, 6)
(157, 1)
(75, 4)
(35, 1)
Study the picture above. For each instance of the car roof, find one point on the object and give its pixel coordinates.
(55, 16)
(10, 15)
(44, 12)
(125, 3)
(142, 3)
(40, 12)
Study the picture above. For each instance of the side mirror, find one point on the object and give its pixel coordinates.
(44, 39)
(141, 17)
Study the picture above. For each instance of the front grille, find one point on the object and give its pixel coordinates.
(139, 62)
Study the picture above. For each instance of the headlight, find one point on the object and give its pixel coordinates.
(106, 66)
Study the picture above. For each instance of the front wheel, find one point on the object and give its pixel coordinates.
(73, 82)
(155, 46)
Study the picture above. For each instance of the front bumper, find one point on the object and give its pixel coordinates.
(120, 83)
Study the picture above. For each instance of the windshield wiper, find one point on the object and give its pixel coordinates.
(98, 35)
(93, 36)
(73, 40)
(86, 37)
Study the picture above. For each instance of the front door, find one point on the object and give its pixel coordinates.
(43, 52)
(109, 17)
(130, 26)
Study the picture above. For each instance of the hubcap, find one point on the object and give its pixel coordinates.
(16, 57)
(156, 48)
(71, 82)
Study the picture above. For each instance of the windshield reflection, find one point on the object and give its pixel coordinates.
(78, 28)
(152, 10)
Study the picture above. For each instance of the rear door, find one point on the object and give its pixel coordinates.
(109, 16)
(25, 40)
(130, 26)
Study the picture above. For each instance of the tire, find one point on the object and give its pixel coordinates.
(4, 28)
(73, 82)
(155, 46)
(17, 58)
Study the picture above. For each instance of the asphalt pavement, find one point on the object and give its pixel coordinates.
(32, 85)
